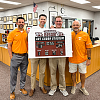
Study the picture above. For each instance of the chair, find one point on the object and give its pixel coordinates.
(96, 38)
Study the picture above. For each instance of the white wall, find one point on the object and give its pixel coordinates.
(97, 24)
(72, 12)
(23, 10)
(69, 12)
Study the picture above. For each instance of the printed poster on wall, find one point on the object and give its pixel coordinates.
(49, 43)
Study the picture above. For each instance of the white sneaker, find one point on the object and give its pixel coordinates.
(73, 89)
(64, 92)
(51, 92)
(85, 92)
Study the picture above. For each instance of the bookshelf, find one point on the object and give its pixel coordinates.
(3, 38)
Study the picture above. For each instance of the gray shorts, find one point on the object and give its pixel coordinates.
(81, 66)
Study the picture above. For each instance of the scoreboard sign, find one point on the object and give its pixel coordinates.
(49, 43)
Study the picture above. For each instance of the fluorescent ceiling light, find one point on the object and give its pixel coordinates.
(97, 7)
(80, 1)
(10, 2)
(1, 8)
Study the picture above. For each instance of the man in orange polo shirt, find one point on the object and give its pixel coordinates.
(17, 48)
(81, 46)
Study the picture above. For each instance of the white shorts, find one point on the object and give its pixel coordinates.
(81, 67)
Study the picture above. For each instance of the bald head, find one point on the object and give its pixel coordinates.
(76, 25)
(76, 21)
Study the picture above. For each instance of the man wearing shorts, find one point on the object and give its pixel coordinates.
(81, 46)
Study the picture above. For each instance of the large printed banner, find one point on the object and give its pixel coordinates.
(49, 43)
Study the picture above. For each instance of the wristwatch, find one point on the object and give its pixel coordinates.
(89, 58)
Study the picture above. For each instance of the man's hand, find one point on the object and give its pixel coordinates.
(27, 31)
(88, 62)
(10, 50)
(72, 54)
(52, 27)
(11, 56)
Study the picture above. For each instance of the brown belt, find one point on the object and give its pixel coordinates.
(19, 54)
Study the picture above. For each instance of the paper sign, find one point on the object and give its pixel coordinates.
(49, 43)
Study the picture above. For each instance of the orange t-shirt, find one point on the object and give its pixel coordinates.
(80, 42)
(18, 40)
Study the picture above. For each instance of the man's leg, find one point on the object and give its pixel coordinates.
(34, 64)
(82, 70)
(15, 62)
(73, 70)
(61, 67)
(13, 76)
(82, 77)
(23, 71)
(73, 76)
(53, 69)
(42, 66)
(62, 83)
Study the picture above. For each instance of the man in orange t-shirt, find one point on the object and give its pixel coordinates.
(81, 46)
(17, 48)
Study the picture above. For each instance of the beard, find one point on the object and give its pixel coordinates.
(21, 26)
(75, 29)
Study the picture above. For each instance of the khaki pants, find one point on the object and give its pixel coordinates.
(42, 65)
(53, 62)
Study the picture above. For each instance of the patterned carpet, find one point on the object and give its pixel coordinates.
(92, 85)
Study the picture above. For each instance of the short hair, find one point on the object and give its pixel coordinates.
(58, 17)
(42, 15)
(20, 18)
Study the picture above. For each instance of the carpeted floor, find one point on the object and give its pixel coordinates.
(92, 85)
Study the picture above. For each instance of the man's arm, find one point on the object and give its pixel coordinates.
(88, 56)
(27, 34)
(27, 38)
(10, 50)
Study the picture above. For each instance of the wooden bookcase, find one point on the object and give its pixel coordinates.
(3, 38)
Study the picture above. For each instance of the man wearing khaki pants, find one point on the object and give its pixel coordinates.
(53, 62)
(40, 61)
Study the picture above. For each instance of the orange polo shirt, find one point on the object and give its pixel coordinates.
(18, 40)
(80, 42)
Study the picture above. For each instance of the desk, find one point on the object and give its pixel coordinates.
(95, 62)
(5, 56)
(95, 66)
(1, 54)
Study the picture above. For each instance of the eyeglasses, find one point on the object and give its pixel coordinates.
(59, 21)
